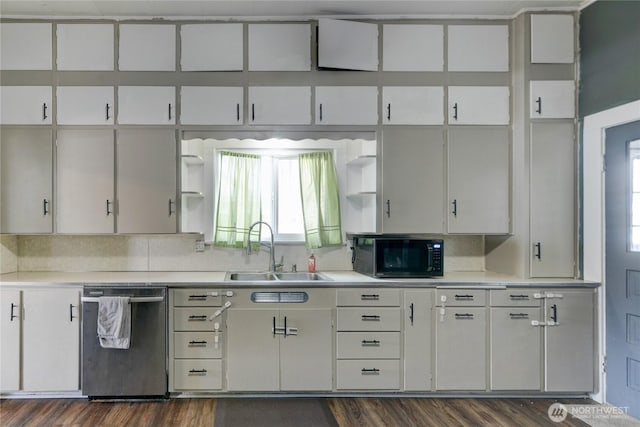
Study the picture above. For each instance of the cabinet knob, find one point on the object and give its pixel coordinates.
(44, 111)
(539, 105)
(71, 316)
(109, 211)
(170, 115)
(11, 315)
(455, 207)
(455, 111)
(171, 210)
(538, 247)
(389, 111)
(107, 108)
(45, 207)
(388, 208)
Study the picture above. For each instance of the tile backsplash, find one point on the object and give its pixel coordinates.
(177, 253)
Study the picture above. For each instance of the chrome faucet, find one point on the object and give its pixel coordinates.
(272, 256)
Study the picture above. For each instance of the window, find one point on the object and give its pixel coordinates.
(634, 157)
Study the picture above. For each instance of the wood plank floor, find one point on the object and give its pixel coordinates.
(369, 412)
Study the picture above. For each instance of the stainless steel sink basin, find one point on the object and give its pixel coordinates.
(302, 276)
(267, 276)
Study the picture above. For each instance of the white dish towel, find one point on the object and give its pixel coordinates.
(114, 322)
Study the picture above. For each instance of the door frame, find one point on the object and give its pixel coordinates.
(593, 212)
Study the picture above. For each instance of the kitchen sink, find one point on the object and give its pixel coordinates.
(282, 276)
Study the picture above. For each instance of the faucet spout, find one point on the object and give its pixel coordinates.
(272, 256)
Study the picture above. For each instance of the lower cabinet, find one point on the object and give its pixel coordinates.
(418, 307)
(50, 340)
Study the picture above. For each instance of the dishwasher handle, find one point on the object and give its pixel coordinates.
(131, 299)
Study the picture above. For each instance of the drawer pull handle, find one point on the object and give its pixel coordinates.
(199, 318)
(370, 371)
(368, 317)
(198, 372)
(519, 297)
(366, 343)
(197, 297)
(518, 315)
(197, 343)
(463, 316)
(370, 297)
(464, 297)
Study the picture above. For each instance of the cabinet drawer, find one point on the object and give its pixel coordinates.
(368, 345)
(368, 374)
(369, 319)
(368, 297)
(461, 297)
(192, 319)
(197, 297)
(514, 297)
(199, 374)
(197, 345)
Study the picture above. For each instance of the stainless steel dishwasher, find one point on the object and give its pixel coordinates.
(139, 371)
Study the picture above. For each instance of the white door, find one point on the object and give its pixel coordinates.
(25, 105)
(479, 164)
(552, 234)
(346, 105)
(418, 306)
(412, 105)
(85, 47)
(552, 39)
(85, 181)
(552, 99)
(147, 47)
(279, 47)
(211, 47)
(146, 105)
(478, 48)
(412, 47)
(478, 105)
(252, 350)
(211, 105)
(280, 105)
(51, 340)
(26, 180)
(347, 45)
(26, 46)
(85, 105)
(305, 355)
(11, 312)
(146, 180)
(412, 180)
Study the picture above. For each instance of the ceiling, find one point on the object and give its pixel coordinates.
(245, 9)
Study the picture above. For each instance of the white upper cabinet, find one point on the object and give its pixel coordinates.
(211, 105)
(85, 47)
(25, 105)
(552, 99)
(146, 105)
(408, 47)
(211, 47)
(478, 105)
(146, 47)
(85, 105)
(280, 105)
(552, 39)
(347, 45)
(25, 46)
(412, 105)
(478, 48)
(279, 47)
(346, 105)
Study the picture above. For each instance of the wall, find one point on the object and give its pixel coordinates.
(609, 55)
(8, 254)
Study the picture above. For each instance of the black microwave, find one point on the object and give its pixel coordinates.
(397, 256)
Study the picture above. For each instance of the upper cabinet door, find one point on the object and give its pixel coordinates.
(478, 48)
(347, 45)
(85, 47)
(552, 39)
(279, 47)
(211, 105)
(552, 99)
(211, 47)
(412, 105)
(25, 46)
(412, 47)
(346, 105)
(85, 105)
(146, 47)
(280, 105)
(146, 105)
(479, 105)
(25, 105)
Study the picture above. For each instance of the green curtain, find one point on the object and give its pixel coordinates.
(320, 200)
(238, 199)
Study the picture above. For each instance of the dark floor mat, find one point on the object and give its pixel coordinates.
(268, 412)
